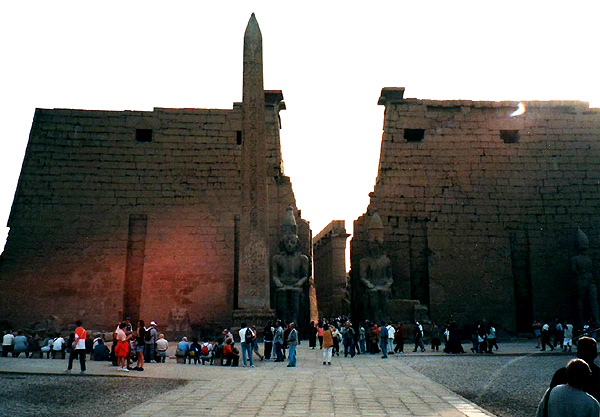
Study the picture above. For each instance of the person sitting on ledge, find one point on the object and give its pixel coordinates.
(162, 345)
(206, 352)
(183, 348)
(194, 352)
(20, 344)
(231, 354)
(58, 347)
(101, 351)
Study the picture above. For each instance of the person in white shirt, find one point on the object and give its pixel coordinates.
(247, 340)
(161, 347)
(391, 332)
(568, 340)
(58, 346)
(8, 343)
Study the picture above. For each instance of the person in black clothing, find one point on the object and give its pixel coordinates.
(312, 335)
(139, 349)
(546, 333)
(454, 344)
(286, 333)
(268, 340)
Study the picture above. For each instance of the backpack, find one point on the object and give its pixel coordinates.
(205, 351)
(248, 336)
(148, 335)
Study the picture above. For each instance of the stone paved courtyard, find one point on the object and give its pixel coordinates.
(365, 385)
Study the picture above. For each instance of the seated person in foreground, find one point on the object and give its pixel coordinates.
(206, 352)
(183, 348)
(231, 354)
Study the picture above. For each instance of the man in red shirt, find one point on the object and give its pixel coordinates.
(78, 347)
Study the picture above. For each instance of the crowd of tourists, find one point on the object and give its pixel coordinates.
(133, 346)
(560, 334)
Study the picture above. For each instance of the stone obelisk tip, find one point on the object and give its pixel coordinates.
(252, 28)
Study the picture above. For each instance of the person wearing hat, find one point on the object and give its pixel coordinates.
(149, 342)
(228, 335)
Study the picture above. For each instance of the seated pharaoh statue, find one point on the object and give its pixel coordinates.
(290, 271)
(376, 273)
(582, 271)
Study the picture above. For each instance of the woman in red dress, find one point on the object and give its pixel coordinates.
(122, 348)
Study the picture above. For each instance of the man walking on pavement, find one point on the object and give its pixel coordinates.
(78, 347)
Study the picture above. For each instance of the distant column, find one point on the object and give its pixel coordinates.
(254, 253)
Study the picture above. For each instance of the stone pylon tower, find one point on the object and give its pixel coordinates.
(254, 280)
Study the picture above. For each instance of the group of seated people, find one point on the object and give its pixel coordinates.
(53, 346)
(208, 352)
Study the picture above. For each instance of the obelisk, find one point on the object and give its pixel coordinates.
(254, 281)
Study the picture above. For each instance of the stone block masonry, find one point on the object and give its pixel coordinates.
(480, 208)
(330, 269)
(131, 213)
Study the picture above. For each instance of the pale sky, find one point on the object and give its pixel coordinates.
(330, 58)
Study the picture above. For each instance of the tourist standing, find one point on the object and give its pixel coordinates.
(391, 335)
(246, 338)
(278, 342)
(362, 337)
(327, 345)
(140, 338)
(399, 339)
(312, 335)
(435, 338)
(292, 342)
(537, 332)
(336, 340)
(78, 347)
(348, 338)
(491, 337)
(255, 344)
(150, 337)
(383, 340)
(122, 347)
(268, 340)
(559, 334)
(320, 329)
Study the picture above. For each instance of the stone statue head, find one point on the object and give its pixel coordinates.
(289, 232)
(375, 234)
(289, 243)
